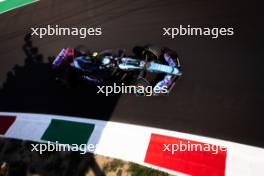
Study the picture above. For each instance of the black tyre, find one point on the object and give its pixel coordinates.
(154, 50)
(83, 50)
(141, 84)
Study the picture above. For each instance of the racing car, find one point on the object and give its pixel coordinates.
(148, 66)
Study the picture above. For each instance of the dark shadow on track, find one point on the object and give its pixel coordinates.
(33, 88)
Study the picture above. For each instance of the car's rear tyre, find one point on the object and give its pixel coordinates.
(142, 84)
(154, 50)
(83, 50)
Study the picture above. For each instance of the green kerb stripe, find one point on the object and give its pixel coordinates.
(12, 4)
(68, 132)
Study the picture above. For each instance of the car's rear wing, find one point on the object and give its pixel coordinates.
(65, 52)
(58, 60)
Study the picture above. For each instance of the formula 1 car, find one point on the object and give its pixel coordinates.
(115, 65)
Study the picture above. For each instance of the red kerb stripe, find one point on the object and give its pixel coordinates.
(5, 123)
(194, 161)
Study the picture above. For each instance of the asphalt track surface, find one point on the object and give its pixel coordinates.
(221, 94)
